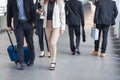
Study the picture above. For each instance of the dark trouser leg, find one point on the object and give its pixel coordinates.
(71, 36)
(97, 42)
(77, 33)
(28, 29)
(46, 40)
(40, 34)
(20, 41)
(105, 30)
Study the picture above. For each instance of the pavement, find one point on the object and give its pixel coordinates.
(78, 67)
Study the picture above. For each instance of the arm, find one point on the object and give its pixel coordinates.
(33, 11)
(62, 15)
(82, 15)
(96, 15)
(115, 10)
(9, 14)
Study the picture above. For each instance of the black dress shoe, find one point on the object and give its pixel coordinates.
(78, 52)
(21, 66)
(30, 63)
(73, 53)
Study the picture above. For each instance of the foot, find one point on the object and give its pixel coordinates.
(48, 54)
(73, 53)
(95, 53)
(30, 63)
(102, 55)
(52, 66)
(78, 52)
(21, 66)
(42, 54)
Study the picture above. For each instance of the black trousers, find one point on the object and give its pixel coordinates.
(41, 34)
(24, 29)
(104, 29)
(74, 29)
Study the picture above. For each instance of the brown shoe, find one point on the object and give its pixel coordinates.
(102, 55)
(95, 53)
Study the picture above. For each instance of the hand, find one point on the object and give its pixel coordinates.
(62, 31)
(83, 27)
(94, 25)
(39, 11)
(9, 28)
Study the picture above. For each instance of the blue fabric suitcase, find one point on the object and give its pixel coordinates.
(12, 51)
(14, 56)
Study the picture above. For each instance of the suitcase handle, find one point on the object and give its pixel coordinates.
(11, 40)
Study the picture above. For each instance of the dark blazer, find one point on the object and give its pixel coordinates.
(13, 12)
(106, 12)
(74, 12)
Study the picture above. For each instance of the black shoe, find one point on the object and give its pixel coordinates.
(78, 52)
(21, 66)
(49, 57)
(30, 63)
(73, 53)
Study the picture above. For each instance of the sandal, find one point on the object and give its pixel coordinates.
(52, 66)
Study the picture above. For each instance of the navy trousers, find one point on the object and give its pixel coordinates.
(24, 29)
(74, 30)
(104, 30)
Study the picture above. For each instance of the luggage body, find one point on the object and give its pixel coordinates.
(13, 55)
(12, 51)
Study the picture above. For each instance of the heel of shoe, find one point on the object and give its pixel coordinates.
(52, 66)
(42, 54)
(102, 55)
(48, 54)
(95, 53)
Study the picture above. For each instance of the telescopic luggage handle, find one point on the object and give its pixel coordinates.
(10, 40)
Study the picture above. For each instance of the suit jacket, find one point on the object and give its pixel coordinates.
(13, 11)
(74, 12)
(106, 12)
(58, 15)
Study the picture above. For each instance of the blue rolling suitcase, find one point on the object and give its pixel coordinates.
(12, 51)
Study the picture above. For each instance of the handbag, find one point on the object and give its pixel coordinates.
(94, 33)
(83, 35)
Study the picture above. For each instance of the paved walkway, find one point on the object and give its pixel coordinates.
(69, 67)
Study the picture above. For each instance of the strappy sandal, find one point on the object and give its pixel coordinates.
(52, 66)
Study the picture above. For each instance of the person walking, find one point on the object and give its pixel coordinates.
(105, 14)
(74, 19)
(40, 31)
(23, 14)
(54, 24)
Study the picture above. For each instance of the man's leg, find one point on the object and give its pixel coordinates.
(71, 37)
(96, 42)
(28, 30)
(105, 37)
(20, 41)
(77, 33)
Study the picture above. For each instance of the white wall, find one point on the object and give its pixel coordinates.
(117, 25)
(2, 22)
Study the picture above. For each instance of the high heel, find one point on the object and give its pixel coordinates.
(52, 66)
(48, 54)
(42, 54)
